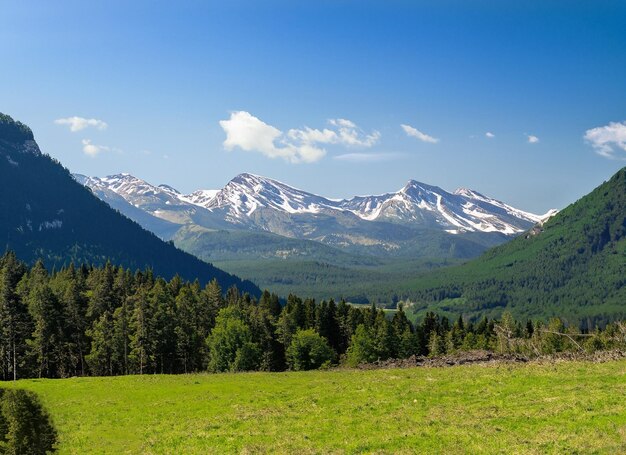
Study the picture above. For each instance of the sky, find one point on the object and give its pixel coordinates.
(522, 101)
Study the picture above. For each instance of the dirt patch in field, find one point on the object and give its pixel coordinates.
(488, 357)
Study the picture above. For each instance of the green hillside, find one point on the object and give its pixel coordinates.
(45, 213)
(574, 267)
(305, 267)
(570, 407)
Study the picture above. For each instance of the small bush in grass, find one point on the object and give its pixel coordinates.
(25, 427)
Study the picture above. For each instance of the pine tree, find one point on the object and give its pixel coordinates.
(103, 297)
(47, 342)
(15, 322)
(163, 308)
(141, 333)
(121, 336)
(188, 332)
(100, 357)
(383, 336)
(403, 337)
(211, 302)
(69, 287)
(344, 330)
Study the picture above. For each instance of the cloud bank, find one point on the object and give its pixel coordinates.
(414, 132)
(608, 140)
(80, 123)
(249, 133)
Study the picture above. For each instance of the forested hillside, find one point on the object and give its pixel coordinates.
(45, 213)
(574, 267)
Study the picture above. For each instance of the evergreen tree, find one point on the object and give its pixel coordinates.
(102, 293)
(362, 347)
(344, 329)
(69, 287)
(436, 344)
(141, 333)
(163, 336)
(121, 336)
(188, 332)
(15, 322)
(100, 357)
(46, 342)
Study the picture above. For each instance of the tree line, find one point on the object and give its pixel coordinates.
(108, 320)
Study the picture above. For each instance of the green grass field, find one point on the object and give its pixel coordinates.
(567, 407)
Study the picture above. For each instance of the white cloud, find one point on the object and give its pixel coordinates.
(414, 132)
(349, 134)
(490, 135)
(608, 140)
(307, 134)
(93, 149)
(532, 139)
(247, 132)
(342, 122)
(80, 123)
(367, 157)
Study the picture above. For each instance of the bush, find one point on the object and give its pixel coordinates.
(308, 350)
(25, 427)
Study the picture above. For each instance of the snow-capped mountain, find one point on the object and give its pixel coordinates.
(464, 210)
(200, 197)
(254, 203)
(136, 191)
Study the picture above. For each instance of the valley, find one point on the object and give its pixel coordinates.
(382, 227)
(361, 249)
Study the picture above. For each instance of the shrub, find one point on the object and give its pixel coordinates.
(308, 350)
(25, 427)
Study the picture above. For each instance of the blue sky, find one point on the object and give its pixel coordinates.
(315, 93)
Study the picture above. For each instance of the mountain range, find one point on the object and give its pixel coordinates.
(254, 203)
(45, 214)
(290, 240)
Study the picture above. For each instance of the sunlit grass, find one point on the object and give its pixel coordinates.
(566, 407)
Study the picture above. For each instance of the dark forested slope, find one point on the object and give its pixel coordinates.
(574, 266)
(45, 213)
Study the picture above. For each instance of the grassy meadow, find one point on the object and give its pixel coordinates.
(565, 407)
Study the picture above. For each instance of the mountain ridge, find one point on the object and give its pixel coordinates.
(463, 210)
